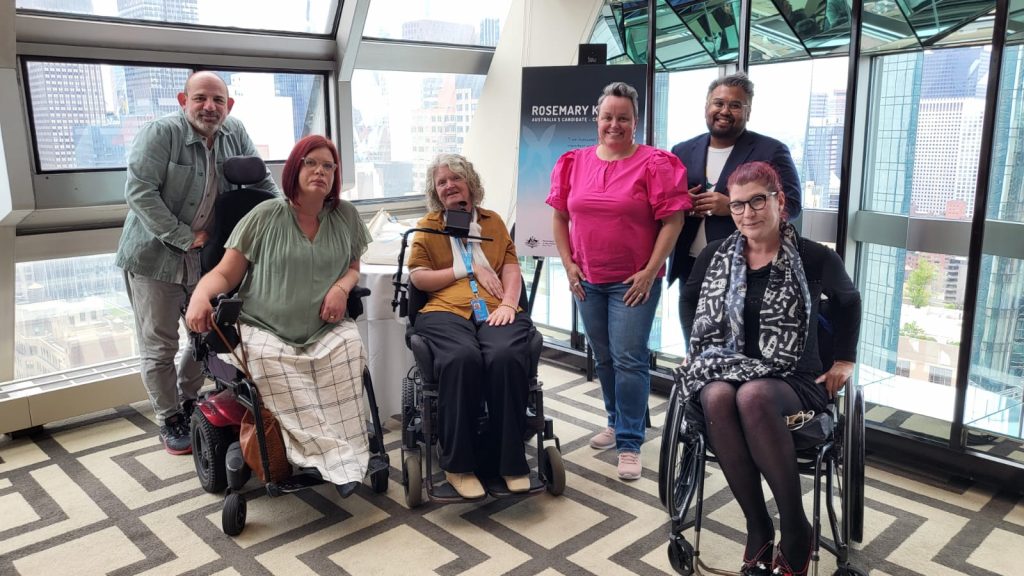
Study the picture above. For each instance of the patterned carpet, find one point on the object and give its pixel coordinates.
(98, 495)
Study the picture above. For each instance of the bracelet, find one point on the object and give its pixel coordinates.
(340, 287)
(514, 308)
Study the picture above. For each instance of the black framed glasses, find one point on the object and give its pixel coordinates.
(313, 163)
(756, 203)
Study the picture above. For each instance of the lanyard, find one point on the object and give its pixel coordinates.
(467, 258)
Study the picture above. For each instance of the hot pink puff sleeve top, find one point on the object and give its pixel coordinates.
(615, 207)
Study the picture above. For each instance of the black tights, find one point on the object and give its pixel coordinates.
(747, 431)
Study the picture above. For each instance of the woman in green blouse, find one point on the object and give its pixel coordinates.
(294, 260)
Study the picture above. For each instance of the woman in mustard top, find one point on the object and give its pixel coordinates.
(475, 354)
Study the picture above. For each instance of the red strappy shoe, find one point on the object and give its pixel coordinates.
(781, 567)
(759, 565)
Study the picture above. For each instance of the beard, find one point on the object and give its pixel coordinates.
(205, 124)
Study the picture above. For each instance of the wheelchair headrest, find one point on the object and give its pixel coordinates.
(244, 170)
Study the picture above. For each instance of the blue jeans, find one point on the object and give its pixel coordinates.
(618, 334)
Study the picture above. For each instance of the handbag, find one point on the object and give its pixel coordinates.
(248, 437)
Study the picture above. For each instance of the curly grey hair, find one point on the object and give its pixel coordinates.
(736, 80)
(459, 165)
(622, 90)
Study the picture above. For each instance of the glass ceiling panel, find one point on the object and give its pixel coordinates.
(1015, 26)
(822, 25)
(301, 16)
(931, 19)
(713, 24)
(461, 22)
(771, 34)
(885, 28)
(976, 32)
(676, 48)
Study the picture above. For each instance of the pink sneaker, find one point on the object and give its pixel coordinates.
(629, 465)
(603, 440)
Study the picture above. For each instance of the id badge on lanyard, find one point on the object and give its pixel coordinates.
(478, 304)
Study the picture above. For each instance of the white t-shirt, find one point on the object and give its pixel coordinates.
(716, 161)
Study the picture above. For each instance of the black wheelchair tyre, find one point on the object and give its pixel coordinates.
(409, 412)
(554, 471)
(412, 475)
(664, 453)
(855, 470)
(681, 473)
(379, 481)
(680, 556)
(232, 518)
(209, 447)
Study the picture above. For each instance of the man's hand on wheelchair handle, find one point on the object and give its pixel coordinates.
(836, 377)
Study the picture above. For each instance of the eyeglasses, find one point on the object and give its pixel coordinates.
(756, 203)
(313, 163)
(733, 106)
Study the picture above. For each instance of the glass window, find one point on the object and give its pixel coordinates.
(468, 22)
(70, 313)
(926, 115)
(910, 328)
(308, 16)
(679, 114)
(85, 116)
(814, 95)
(401, 121)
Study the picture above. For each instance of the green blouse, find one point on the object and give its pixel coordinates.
(289, 275)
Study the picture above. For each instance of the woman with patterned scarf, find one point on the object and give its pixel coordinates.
(750, 312)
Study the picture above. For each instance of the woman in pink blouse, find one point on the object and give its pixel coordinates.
(618, 211)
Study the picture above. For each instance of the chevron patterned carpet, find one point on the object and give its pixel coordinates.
(98, 495)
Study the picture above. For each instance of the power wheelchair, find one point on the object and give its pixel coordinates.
(829, 446)
(420, 444)
(217, 415)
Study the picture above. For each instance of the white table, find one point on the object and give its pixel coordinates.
(383, 335)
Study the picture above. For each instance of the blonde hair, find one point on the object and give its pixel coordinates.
(459, 165)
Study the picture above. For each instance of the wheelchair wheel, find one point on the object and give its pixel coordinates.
(409, 411)
(209, 447)
(554, 471)
(682, 474)
(232, 518)
(379, 481)
(680, 555)
(663, 454)
(853, 470)
(412, 473)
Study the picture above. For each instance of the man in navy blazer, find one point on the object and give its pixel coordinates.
(711, 158)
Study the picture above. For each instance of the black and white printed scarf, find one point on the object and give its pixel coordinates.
(716, 342)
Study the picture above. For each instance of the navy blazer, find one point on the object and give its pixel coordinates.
(749, 147)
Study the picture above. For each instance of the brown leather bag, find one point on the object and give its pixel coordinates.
(280, 469)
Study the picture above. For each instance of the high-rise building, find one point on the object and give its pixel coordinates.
(490, 31)
(823, 148)
(66, 97)
(302, 89)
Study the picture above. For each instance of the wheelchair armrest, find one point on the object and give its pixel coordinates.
(424, 357)
(536, 346)
(354, 303)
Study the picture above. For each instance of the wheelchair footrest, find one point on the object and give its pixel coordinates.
(497, 489)
(376, 464)
(299, 481)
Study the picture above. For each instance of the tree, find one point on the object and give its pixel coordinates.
(919, 283)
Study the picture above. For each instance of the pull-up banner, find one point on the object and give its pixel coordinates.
(559, 114)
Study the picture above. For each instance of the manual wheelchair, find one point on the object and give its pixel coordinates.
(217, 415)
(420, 445)
(829, 446)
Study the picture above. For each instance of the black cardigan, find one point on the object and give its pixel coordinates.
(826, 276)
